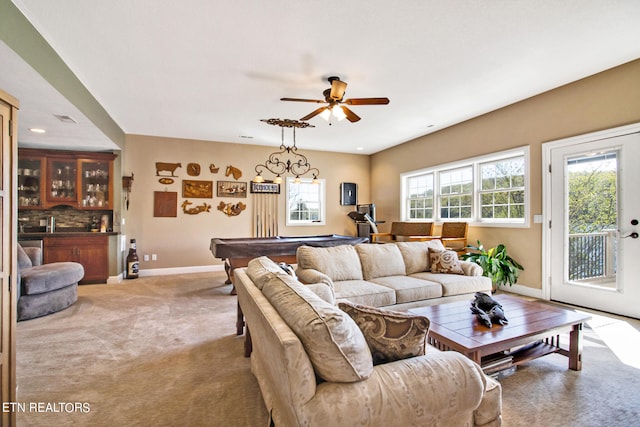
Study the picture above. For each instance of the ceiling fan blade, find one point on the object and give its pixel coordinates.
(337, 89)
(313, 113)
(351, 116)
(366, 101)
(303, 100)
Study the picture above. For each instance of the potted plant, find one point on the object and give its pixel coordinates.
(496, 264)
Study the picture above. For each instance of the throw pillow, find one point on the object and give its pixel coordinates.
(444, 262)
(390, 335)
(336, 347)
(416, 255)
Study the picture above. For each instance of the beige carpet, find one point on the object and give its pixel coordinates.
(162, 351)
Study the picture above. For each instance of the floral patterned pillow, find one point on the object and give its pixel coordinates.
(444, 262)
(390, 335)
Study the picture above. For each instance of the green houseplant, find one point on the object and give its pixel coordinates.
(496, 264)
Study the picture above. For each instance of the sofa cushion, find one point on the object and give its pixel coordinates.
(49, 277)
(391, 335)
(338, 262)
(336, 347)
(364, 292)
(380, 260)
(416, 255)
(261, 269)
(444, 262)
(410, 289)
(455, 284)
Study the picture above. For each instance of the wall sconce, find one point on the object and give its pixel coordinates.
(127, 183)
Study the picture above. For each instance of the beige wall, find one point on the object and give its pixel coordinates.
(605, 100)
(184, 241)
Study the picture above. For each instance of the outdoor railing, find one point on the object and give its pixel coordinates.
(592, 255)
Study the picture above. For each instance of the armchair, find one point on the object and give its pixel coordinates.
(410, 230)
(453, 236)
(45, 288)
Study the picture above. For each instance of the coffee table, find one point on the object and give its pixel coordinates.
(533, 331)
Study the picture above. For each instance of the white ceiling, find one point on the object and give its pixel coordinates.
(211, 69)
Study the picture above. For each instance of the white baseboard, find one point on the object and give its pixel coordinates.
(167, 271)
(523, 290)
(180, 270)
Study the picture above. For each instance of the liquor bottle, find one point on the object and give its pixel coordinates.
(132, 261)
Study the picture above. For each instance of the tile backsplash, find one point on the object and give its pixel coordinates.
(66, 217)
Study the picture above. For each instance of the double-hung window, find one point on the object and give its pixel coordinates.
(502, 190)
(491, 189)
(305, 202)
(456, 193)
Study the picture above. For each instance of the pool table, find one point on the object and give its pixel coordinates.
(237, 252)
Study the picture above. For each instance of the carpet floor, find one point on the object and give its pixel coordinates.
(162, 351)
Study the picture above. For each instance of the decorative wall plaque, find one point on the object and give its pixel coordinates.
(195, 210)
(231, 209)
(231, 189)
(167, 167)
(232, 170)
(197, 189)
(165, 204)
(193, 169)
(265, 187)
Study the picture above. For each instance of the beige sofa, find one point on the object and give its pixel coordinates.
(397, 275)
(314, 366)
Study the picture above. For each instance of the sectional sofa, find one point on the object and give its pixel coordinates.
(315, 367)
(398, 276)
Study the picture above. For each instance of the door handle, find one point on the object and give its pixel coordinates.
(633, 235)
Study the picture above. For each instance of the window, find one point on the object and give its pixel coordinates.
(420, 200)
(305, 202)
(490, 190)
(502, 189)
(456, 193)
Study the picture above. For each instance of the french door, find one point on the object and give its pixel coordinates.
(593, 245)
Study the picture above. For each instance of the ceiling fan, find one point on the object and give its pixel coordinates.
(336, 105)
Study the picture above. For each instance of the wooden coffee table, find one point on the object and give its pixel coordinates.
(533, 331)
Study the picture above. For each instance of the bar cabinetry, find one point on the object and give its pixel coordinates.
(90, 251)
(30, 188)
(80, 179)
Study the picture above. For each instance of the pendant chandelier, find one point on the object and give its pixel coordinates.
(287, 160)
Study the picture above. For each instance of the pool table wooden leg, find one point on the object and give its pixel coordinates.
(239, 321)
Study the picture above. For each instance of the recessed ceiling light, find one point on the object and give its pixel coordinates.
(359, 148)
(37, 130)
(65, 118)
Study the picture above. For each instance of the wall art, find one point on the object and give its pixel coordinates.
(231, 209)
(193, 169)
(232, 170)
(265, 187)
(195, 210)
(197, 189)
(165, 204)
(167, 167)
(231, 189)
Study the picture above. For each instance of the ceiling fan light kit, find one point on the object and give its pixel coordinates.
(336, 106)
